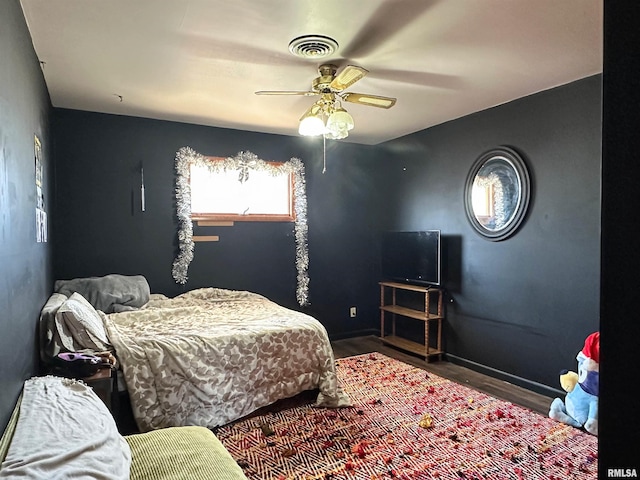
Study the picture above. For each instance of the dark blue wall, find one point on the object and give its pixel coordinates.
(25, 266)
(522, 306)
(101, 228)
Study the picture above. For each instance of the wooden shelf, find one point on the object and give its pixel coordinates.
(429, 348)
(408, 345)
(410, 312)
(205, 238)
(407, 286)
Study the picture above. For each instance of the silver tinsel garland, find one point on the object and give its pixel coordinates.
(243, 162)
(499, 213)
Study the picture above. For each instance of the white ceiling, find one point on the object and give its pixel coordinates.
(200, 61)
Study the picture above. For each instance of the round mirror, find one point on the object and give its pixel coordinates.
(497, 193)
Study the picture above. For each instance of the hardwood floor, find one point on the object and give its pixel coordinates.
(478, 381)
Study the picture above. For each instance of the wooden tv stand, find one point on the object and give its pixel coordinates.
(432, 313)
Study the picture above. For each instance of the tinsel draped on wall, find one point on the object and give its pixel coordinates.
(243, 162)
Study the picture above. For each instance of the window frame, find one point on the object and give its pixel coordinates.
(290, 216)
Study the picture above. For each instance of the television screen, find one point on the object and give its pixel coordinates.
(411, 257)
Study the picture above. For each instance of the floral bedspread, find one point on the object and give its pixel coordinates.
(210, 356)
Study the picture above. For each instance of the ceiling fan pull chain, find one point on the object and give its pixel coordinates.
(324, 154)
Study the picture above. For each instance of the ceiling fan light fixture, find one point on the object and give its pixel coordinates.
(336, 134)
(339, 123)
(311, 126)
(330, 86)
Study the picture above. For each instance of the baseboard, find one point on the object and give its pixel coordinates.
(354, 333)
(507, 377)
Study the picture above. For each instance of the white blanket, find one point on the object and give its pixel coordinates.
(211, 356)
(65, 431)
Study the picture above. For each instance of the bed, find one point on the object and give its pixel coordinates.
(206, 357)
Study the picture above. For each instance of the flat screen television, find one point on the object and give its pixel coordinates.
(412, 257)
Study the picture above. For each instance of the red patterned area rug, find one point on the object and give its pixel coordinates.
(406, 423)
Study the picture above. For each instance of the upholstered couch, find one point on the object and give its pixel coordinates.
(61, 429)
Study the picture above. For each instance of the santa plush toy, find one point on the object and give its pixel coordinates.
(580, 407)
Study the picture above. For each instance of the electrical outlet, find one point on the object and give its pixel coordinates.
(352, 312)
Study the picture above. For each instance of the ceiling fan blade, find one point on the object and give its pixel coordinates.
(370, 100)
(347, 77)
(286, 92)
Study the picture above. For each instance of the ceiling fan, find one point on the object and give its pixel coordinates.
(331, 89)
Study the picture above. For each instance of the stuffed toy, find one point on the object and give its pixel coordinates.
(580, 406)
(568, 380)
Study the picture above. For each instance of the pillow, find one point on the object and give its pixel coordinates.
(51, 342)
(83, 323)
(109, 294)
(76, 435)
(181, 452)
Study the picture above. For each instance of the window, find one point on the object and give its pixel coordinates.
(290, 207)
(220, 191)
(483, 199)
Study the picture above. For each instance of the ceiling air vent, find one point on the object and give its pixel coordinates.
(313, 46)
